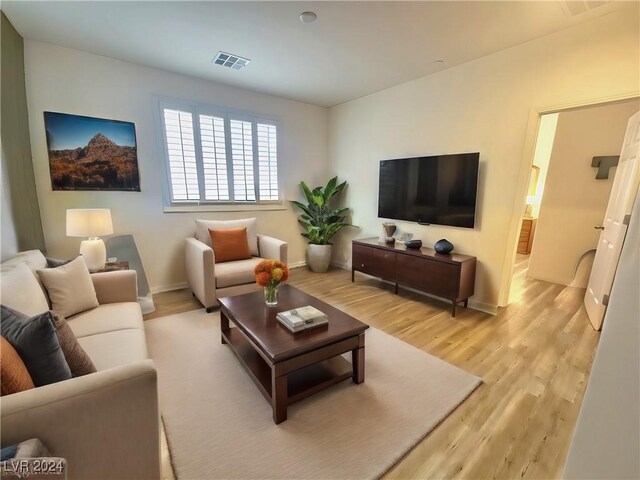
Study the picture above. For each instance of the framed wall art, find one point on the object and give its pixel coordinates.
(87, 153)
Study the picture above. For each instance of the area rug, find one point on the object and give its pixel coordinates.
(219, 425)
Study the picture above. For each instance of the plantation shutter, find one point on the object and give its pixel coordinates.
(242, 161)
(267, 161)
(219, 156)
(183, 173)
(214, 158)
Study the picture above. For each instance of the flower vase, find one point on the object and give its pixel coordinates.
(271, 295)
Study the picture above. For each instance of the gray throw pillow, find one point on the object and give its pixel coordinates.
(56, 262)
(36, 341)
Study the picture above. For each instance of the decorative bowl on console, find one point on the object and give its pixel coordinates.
(443, 246)
(413, 244)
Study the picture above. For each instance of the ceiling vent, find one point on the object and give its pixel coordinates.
(578, 7)
(229, 60)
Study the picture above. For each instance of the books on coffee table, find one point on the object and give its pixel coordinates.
(302, 318)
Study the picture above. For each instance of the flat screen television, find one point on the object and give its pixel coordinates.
(439, 189)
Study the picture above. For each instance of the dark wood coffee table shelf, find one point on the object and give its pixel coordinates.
(289, 367)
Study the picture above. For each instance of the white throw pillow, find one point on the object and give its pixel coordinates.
(203, 226)
(20, 290)
(69, 287)
(34, 259)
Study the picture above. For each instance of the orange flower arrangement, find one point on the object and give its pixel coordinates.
(270, 274)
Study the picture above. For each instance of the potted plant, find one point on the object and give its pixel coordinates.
(321, 221)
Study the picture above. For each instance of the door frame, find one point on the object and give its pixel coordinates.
(531, 137)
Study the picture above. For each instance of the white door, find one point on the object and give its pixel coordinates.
(614, 226)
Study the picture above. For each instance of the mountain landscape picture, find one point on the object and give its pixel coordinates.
(87, 153)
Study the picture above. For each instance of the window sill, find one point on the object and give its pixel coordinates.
(224, 208)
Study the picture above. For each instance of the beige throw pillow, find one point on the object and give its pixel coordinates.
(69, 287)
(20, 291)
(203, 226)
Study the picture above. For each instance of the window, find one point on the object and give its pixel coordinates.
(219, 157)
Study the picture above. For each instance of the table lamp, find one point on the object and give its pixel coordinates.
(92, 223)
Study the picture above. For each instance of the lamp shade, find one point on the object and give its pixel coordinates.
(89, 222)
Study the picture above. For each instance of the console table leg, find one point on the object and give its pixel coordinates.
(396, 288)
(466, 303)
(357, 359)
(453, 308)
(279, 397)
(352, 273)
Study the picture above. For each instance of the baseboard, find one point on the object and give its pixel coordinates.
(343, 266)
(544, 278)
(483, 307)
(297, 264)
(169, 288)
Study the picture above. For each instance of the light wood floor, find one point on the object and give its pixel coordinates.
(534, 359)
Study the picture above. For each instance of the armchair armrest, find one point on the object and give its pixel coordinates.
(114, 287)
(200, 266)
(106, 424)
(270, 247)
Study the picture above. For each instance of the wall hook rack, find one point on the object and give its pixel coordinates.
(604, 163)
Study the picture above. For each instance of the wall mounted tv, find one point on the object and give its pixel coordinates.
(438, 189)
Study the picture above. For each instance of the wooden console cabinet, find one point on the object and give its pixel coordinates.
(447, 276)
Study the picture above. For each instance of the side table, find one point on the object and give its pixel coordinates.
(114, 266)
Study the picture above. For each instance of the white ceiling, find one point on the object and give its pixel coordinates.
(353, 48)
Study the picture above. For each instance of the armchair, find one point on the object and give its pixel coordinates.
(209, 280)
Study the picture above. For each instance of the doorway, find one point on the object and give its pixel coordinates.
(568, 193)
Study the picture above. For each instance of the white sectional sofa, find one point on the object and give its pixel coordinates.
(105, 424)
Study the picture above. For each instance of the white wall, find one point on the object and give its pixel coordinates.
(70, 81)
(570, 209)
(484, 106)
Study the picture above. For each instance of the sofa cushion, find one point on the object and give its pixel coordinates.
(14, 376)
(203, 226)
(32, 448)
(77, 359)
(69, 287)
(112, 349)
(20, 291)
(34, 259)
(229, 244)
(236, 273)
(37, 343)
(107, 318)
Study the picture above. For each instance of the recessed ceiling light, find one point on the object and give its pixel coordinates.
(438, 61)
(230, 60)
(308, 17)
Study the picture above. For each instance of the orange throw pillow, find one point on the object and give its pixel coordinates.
(14, 376)
(230, 244)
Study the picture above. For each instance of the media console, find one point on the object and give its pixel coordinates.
(447, 276)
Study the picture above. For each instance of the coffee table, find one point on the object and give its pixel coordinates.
(288, 367)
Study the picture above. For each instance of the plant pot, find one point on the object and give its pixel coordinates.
(319, 257)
